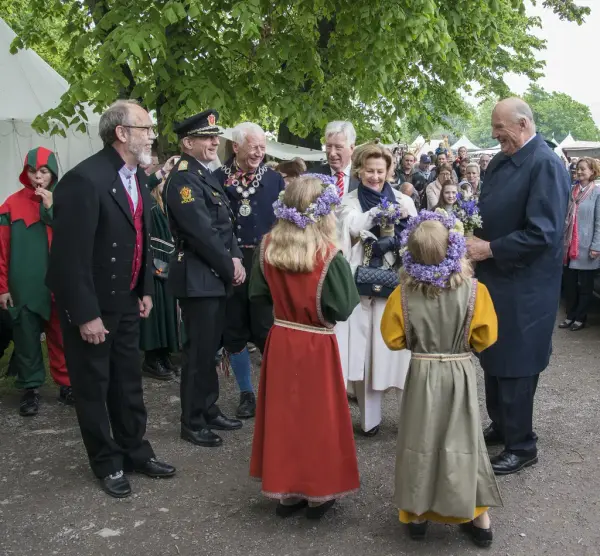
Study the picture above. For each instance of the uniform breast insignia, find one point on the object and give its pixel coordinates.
(245, 208)
(216, 194)
(186, 195)
(183, 165)
(180, 256)
(200, 172)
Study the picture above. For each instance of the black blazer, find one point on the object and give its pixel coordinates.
(326, 169)
(201, 221)
(93, 243)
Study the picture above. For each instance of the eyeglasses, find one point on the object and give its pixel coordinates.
(148, 128)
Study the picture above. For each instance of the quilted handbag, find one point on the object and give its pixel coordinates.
(375, 281)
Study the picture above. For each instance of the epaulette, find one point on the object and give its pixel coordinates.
(183, 166)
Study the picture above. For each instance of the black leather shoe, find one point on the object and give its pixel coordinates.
(30, 403)
(371, 432)
(155, 469)
(317, 512)
(222, 423)
(66, 396)
(492, 436)
(116, 485)
(204, 437)
(507, 463)
(417, 530)
(156, 370)
(169, 365)
(577, 326)
(481, 537)
(286, 511)
(565, 323)
(247, 407)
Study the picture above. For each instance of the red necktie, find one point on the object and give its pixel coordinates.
(340, 183)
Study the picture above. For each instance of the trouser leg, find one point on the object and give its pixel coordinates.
(516, 405)
(240, 363)
(369, 402)
(492, 403)
(56, 351)
(585, 291)
(27, 361)
(570, 291)
(204, 319)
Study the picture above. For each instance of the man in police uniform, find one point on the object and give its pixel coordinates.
(252, 188)
(203, 269)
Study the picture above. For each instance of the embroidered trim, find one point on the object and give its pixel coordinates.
(470, 311)
(441, 356)
(261, 259)
(303, 327)
(407, 327)
(320, 315)
(284, 495)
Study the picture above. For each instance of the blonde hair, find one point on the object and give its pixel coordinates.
(592, 164)
(156, 193)
(428, 244)
(370, 150)
(291, 248)
(473, 165)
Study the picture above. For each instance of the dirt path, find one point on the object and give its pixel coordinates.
(50, 504)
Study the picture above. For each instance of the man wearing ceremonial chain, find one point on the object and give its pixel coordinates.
(252, 188)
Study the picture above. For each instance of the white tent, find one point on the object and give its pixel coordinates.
(568, 140)
(417, 143)
(29, 87)
(464, 142)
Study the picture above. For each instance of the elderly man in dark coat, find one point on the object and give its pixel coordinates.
(523, 205)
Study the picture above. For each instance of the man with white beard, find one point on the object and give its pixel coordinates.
(101, 275)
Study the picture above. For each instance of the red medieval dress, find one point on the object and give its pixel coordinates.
(303, 439)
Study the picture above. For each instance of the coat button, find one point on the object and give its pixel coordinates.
(114, 244)
(112, 293)
(113, 260)
(113, 277)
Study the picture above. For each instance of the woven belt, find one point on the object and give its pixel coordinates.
(303, 327)
(441, 356)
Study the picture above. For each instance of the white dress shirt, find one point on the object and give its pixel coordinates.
(130, 184)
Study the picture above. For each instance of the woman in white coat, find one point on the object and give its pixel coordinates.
(369, 366)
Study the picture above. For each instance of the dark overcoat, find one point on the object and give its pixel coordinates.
(523, 205)
(94, 239)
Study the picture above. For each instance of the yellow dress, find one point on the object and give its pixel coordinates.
(441, 340)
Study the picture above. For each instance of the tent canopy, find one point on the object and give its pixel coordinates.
(464, 142)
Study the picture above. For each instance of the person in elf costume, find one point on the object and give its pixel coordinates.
(25, 239)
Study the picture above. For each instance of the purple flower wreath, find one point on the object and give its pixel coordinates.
(322, 205)
(436, 275)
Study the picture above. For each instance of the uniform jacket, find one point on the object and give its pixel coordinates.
(250, 229)
(201, 221)
(94, 239)
(326, 169)
(523, 205)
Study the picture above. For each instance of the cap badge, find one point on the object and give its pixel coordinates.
(211, 120)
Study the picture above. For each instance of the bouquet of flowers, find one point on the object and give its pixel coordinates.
(467, 211)
(388, 214)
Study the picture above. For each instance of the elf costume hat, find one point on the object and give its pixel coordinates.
(36, 158)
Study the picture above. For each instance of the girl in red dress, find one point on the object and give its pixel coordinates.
(303, 449)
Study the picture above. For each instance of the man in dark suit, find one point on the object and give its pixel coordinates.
(203, 269)
(340, 139)
(523, 205)
(100, 274)
(251, 188)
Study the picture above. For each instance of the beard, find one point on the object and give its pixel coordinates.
(138, 149)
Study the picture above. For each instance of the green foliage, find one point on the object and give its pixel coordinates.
(301, 63)
(557, 115)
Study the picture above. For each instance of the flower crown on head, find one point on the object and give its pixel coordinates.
(437, 275)
(321, 206)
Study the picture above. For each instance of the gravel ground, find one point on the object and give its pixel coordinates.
(51, 504)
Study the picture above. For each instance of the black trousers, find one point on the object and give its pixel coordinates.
(578, 288)
(246, 321)
(509, 404)
(204, 319)
(107, 383)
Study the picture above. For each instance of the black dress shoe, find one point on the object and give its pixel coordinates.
(417, 530)
(371, 432)
(508, 462)
(116, 485)
(222, 423)
(286, 511)
(66, 396)
(481, 537)
(247, 407)
(30, 403)
(317, 512)
(155, 469)
(204, 437)
(168, 364)
(492, 436)
(156, 370)
(566, 323)
(577, 326)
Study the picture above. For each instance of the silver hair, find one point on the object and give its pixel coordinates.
(345, 128)
(520, 110)
(241, 131)
(115, 115)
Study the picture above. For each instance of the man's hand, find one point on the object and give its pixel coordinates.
(169, 164)
(239, 272)
(6, 300)
(145, 306)
(478, 250)
(93, 331)
(46, 197)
